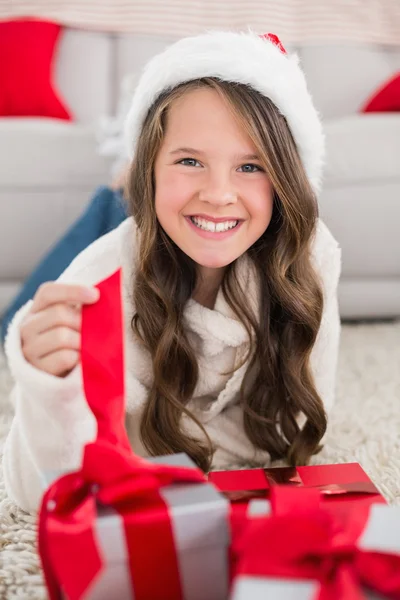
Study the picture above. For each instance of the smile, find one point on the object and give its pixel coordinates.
(211, 230)
(213, 227)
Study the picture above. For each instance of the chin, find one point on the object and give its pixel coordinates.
(214, 262)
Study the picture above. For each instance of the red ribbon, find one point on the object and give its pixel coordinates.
(110, 475)
(303, 541)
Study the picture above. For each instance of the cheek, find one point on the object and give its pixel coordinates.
(261, 202)
(172, 193)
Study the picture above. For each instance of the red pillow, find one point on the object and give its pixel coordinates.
(386, 98)
(26, 67)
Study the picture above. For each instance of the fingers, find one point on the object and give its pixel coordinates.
(58, 315)
(50, 342)
(51, 332)
(59, 363)
(51, 339)
(51, 293)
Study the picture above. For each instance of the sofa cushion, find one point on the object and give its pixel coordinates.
(386, 98)
(364, 218)
(362, 148)
(47, 152)
(27, 57)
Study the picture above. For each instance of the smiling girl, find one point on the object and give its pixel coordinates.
(229, 277)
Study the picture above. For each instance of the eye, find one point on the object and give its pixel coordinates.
(250, 168)
(188, 162)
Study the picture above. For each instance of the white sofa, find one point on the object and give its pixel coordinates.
(49, 168)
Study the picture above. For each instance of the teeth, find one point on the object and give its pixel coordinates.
(213, 227)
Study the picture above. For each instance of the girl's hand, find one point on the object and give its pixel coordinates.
(50, 333)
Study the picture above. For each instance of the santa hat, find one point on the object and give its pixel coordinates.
(245, 57)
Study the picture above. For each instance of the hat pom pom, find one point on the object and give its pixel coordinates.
(275, 40)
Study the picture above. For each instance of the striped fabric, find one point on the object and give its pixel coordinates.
(295, 21)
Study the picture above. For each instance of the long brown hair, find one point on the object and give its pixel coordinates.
(278, 385)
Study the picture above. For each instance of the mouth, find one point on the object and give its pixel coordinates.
(214, 227)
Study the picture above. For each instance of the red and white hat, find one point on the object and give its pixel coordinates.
(245, 57)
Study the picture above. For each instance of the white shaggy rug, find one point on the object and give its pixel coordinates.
(364, 427)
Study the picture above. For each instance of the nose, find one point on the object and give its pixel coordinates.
(218, 190)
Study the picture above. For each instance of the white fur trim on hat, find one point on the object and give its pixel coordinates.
(243, 57)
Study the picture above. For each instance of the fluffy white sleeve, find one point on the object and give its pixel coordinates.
(52, 421)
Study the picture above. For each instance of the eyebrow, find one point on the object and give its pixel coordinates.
(187, 150)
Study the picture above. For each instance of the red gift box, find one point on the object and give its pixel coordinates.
(343, 487)
(308, 552)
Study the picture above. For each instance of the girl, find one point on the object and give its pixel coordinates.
(229, 277)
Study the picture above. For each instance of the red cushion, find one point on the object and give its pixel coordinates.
(26, 68)
(386, 98)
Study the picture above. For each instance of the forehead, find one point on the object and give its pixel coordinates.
(204, 115)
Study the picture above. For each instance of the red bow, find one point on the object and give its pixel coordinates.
(110, 475)
(308, 543)
(129, 485)
(271, 37)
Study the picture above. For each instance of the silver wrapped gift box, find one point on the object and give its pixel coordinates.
(200, 523)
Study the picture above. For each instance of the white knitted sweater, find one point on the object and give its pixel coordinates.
(52, 421)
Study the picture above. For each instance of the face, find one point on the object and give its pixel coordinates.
(213, 198)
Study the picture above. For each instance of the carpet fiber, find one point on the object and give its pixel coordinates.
(364, 427)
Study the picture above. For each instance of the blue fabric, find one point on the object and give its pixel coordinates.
(106, 210)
